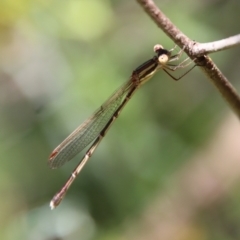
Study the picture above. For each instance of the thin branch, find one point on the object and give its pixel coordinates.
(165, 24)
(205, 63)
(222, 84)
(200, 49)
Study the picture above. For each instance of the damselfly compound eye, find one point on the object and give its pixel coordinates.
(157, 47)
(163, 59)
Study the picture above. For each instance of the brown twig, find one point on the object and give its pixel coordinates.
(200, 49)
(207, 65)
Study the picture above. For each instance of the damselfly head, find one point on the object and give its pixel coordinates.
(162, 54)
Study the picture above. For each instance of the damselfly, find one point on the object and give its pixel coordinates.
(96, 127)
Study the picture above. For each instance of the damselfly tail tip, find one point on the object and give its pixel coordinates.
(52, 205)
(56, 200)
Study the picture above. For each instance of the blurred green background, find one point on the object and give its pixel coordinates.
(59, 61)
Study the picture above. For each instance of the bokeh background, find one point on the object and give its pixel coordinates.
(169, 167)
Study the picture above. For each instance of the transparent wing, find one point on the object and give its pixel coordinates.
(88, 130)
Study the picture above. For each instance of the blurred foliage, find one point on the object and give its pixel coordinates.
(59, 61)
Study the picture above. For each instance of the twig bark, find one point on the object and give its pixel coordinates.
(166, 25)
(197, 52)
(200, 49)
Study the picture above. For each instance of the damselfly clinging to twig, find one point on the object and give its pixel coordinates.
(96, 127)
